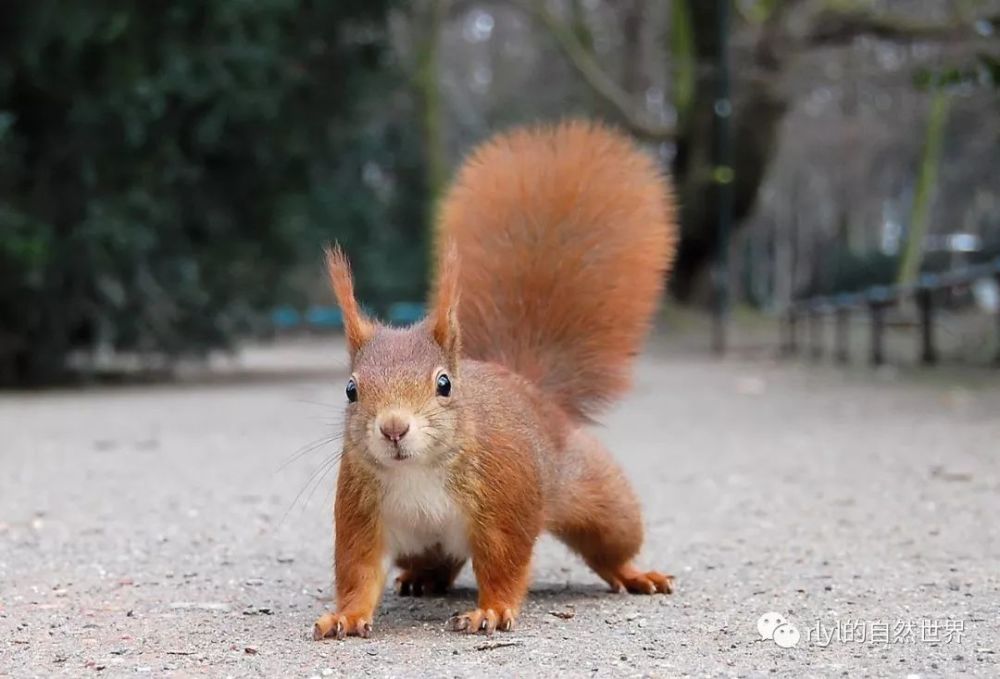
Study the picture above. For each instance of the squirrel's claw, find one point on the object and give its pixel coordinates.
(406, 588)
(664, 583)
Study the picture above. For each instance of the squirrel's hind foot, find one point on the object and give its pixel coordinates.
(634, 581)
(417, 583)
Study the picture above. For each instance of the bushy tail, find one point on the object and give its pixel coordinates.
(564, 235)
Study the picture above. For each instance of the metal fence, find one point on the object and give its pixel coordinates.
(875, 302)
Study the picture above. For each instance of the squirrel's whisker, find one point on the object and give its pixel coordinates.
(321, 470)
(311, 447)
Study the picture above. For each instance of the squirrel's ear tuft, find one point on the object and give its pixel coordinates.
(444, 313)
(357, 327)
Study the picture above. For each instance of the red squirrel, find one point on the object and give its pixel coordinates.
(466, 434)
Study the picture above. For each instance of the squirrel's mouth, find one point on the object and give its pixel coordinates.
(397, 454)
(392, 454)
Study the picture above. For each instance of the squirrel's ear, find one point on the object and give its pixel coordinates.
(357, 327)
(444, 313)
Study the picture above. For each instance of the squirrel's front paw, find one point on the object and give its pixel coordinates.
(482, 620)
(342, 625)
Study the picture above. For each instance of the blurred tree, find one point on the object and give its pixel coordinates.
(164, 165)
(984, 72)
(578, 50)
(913, 250)
(778, 33)
(427, 20)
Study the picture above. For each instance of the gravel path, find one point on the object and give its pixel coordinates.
(153, 530)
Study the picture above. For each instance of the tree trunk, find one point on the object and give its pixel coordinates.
(430, 16)
(757, 111)
(632, 61)
(913, 250)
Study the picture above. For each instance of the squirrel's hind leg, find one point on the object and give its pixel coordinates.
(597, 515)
(430, 573)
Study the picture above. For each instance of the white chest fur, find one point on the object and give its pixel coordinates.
(419, 513)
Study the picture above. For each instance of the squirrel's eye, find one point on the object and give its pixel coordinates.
(443, 385)
(352, 390)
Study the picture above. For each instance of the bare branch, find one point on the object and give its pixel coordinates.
(599, 81)
(772, 41)
(835, 27)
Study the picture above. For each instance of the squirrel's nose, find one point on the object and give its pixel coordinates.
(394, 428)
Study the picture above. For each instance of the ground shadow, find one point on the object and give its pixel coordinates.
(403, 611)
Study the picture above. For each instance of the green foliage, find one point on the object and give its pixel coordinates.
(756, 11)
(983, 72)
(909, 267)
(681, 41)
(164, 167)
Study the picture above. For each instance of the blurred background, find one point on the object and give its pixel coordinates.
(169, 171)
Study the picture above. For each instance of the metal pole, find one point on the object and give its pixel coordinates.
(878, 325)
(928, 353)
(997, 359)
(723, 176)
(816, 333)
(784, 335)
(793, 344)
(842, 339)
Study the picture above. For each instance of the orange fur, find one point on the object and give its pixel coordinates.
(358, 328)
(558, 241)
(565, 235)
(359, 575)
(444, 314)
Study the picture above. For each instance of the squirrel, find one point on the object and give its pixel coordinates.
(466, 433)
